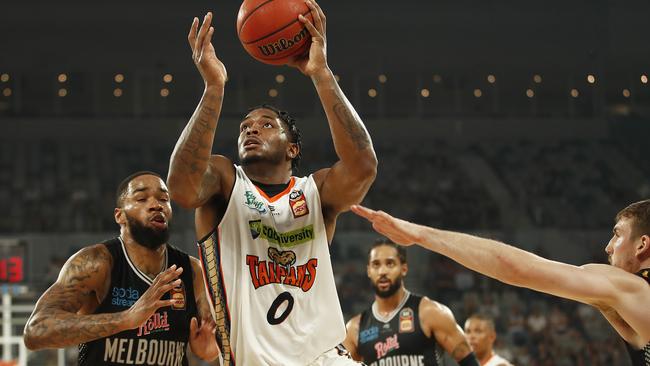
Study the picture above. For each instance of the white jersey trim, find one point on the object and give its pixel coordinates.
(391, 315)
(135, 269)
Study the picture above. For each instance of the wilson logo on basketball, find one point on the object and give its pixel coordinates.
(281, 270)
(283, 44)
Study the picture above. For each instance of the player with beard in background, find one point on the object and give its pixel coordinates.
(402, 328)
(130, 300)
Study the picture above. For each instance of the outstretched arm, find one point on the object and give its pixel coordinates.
(594, 284)
(349, 179)
(60, 318)
(194, 175)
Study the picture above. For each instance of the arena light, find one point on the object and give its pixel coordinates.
(164, 92)
(425, 93)
(537, 78)
(372, 92)
(273, 93)
(4, 78)
(62, 92)
(644, 79)
(7, 92)
(279, 78)
(626, 93)
(62, 78)
(437, 79)
(118, 78)
(591, 79)
(168, 78)
(491, 79)
(575, 93)
(530, 93)
(383, 78)
(478, 93)
(117, 92)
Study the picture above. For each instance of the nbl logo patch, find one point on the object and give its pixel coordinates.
(298, 204)
(406, 324)
(178, 293)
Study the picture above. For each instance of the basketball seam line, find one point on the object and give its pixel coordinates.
(243, 22)
(276, 31)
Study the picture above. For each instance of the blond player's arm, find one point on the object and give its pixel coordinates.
(594, 284)
(352, 337)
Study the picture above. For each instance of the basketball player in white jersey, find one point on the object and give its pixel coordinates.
(621, 291)
(481, 334)
(264, 233)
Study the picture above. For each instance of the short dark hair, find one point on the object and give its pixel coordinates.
(484, 317)
(121, 188)
(294, 133)
(640, 213)
(401, 251)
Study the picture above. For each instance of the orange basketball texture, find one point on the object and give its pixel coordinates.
(270, 30)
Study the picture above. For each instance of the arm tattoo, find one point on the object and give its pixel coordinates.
(196, 142)
(461, 350)
(351, 124)
(55, 322)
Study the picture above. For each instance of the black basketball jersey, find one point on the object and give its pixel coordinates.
(161, 340)
(641, 357)
(397, 340)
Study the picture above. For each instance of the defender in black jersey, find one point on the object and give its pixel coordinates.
(620, 291)
(401, 328)
(131, 300)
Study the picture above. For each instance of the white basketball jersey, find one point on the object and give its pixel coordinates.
(270, 276)
(497, 360)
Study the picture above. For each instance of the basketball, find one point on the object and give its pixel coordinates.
(270, 30)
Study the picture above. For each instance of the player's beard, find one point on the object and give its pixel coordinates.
(146, 236)
(390, 291)
(274, 159)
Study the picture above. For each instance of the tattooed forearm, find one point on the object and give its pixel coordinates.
(461, 350)
(352, 125)
(194, 147)
(60, 329)
(55, 322)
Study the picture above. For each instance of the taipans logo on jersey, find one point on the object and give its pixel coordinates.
(281, 269)
(253, 203)
(284, 240)
(298, 204)
(157, 323)
(386, 346)
(124, 296)
(369, 334)
(178, 293)
(406, 324)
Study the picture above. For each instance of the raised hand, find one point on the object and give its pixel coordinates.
(150, 301)
(211, 68)
(202, 339)
(399, 231)
(316, 59)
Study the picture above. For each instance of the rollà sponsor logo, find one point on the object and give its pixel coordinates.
(283, 44)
